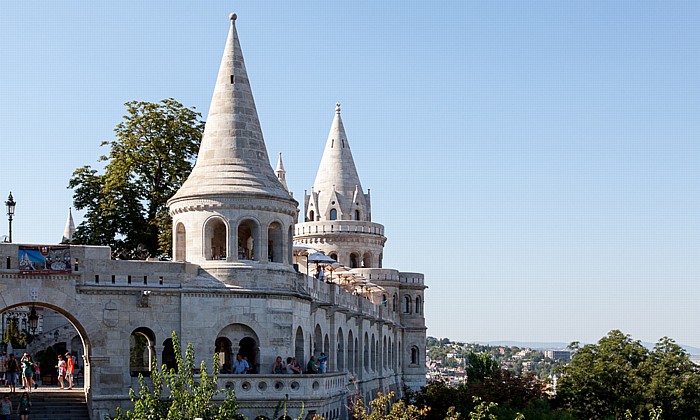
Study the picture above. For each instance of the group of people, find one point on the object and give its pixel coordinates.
(11, 370)
(315, 365)
(23, 406)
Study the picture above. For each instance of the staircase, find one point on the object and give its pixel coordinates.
(51, 403)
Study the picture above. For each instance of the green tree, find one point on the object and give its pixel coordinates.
(150, 158)
(177, 394)
(481, 366)
(617, 375)
(382, 408)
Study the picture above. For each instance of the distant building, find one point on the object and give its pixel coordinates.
(564, 355)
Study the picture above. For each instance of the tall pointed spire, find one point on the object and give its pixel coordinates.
(337, 169)
(69, 230)
(281, 173)
(232, 158)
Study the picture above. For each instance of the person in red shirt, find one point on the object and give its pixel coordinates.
(70, 368)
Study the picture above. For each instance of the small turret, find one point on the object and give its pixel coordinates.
(281, 173)
(69, 230)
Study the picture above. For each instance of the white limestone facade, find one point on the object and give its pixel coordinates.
(232, 287)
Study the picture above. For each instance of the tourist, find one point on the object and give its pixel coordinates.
(70, 368)
(322, 360)
(321, 274)
(240, 365)
(3, 368)
(61, 370)
(23, 407)
(12, 371)
(37, 375)
(6, 407)
(27, 372)
(312, 367)
(292, 366)
(278, 367)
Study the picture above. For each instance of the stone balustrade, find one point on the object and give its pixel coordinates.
(339, 226)
(278, 387)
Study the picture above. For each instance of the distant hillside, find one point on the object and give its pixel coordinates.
(693, 351)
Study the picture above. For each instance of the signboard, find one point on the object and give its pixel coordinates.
(44, 259)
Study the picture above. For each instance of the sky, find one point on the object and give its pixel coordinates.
(537, 160)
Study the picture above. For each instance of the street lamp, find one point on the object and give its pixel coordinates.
(33, 321)
(10, 204)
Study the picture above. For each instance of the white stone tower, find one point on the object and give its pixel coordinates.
(233, 211)
(337, 213)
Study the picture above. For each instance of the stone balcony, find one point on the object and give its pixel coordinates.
(293, 387)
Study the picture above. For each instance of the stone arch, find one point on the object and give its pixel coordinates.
(168, 354)
(333, 255)
(340, 350)
(415, 355)
(365, 360)
(407, 304)
(354, 260)
(244, 340)
(326, 350)
(312, 216)
(351, 352)
(357, 214)
(275, 242)
(215, 238)
(333, 214)
(141, 351)
(374, 354)
(367, 260)
(318, 341)
(418, 305)
(299, 346)
(224, 348)
(248, 239)
(180, 242)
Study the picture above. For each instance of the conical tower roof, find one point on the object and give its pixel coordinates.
(232, 158)
(337, 169)
(69, 230)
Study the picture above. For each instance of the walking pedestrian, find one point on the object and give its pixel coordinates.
(23, 407)
(61, 370)
(12, 370)
(70, 368)
(27, 372)
(6, 407)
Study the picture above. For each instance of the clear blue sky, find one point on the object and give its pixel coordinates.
(538, 161)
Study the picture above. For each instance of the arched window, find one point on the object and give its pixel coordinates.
(318, 341)
(248, 240)
(215, 239)
(357, 215)
(275, 243)
(351, 352)
(374, 354)
(334, 214)
(415, 355)
(311, 216)
(180, 243)
(141, 351)
(224, 349)
(365, 363)
(395, 303)
(340, 350)
(299, 346)
(168, 356)
(418, 305)
(353, 261)
(334, 256)
(379, 262)
(407, 304)
(248, 348)
(384, 301)
(367, 260)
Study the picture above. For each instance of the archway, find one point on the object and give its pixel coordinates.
(351, 352)
(180, 243)
(141, 351)
(367, 260)
(299, 346)
(275, 244)
(318, 341)
(243, 340)
(215, 239)
(57, 332)
(354, 263)
(248, 240)
(224, 350)
(168, 355)
(340, 351)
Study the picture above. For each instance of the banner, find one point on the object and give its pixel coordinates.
(44, 259)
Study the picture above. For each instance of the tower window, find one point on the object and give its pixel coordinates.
(232, 79)
(334, 214)
(357, 215)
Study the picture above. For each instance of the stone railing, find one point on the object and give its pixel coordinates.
(339, 226)
(255, 387)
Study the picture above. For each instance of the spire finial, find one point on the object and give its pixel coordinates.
(337, 108)
(233, 17)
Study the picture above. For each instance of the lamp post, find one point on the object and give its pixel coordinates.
(33, 321)
(10, 205)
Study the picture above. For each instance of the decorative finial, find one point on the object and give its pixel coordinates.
(337, 107)
(232, 16)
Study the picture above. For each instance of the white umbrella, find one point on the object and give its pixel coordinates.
(320, 258)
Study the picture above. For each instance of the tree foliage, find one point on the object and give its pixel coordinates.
(150, 158)
(382, 408)
(177, 394)
(618, 374)
(481, 366)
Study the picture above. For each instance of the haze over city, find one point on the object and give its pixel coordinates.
(538, 161)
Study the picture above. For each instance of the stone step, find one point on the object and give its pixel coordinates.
(56, 404)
